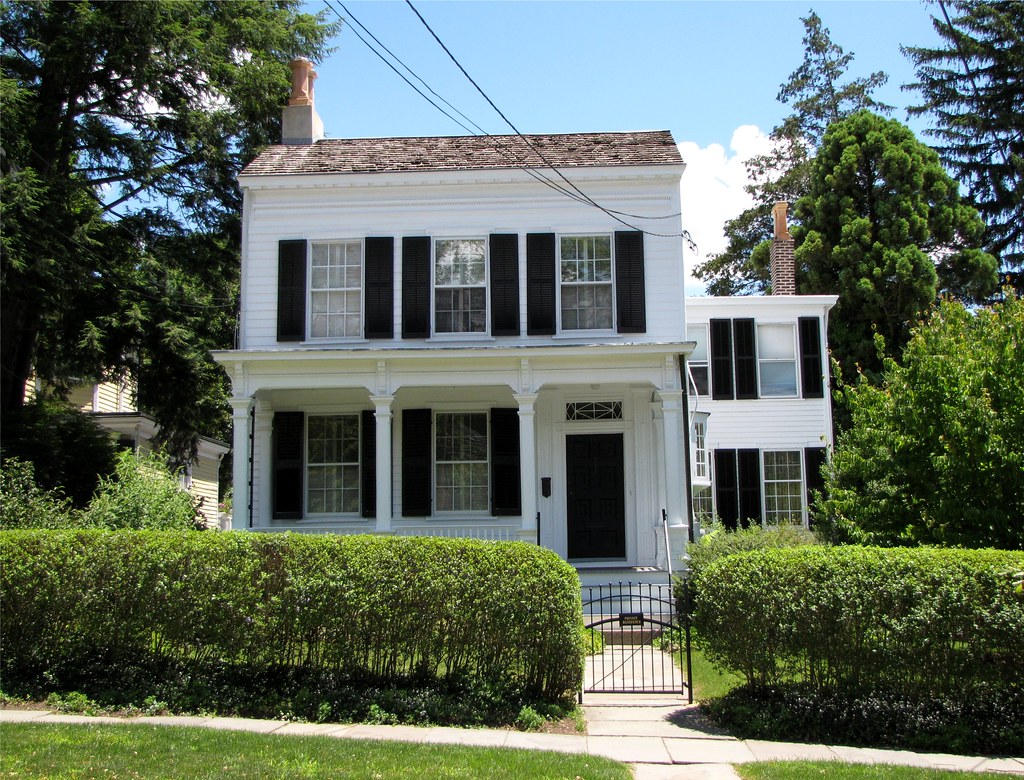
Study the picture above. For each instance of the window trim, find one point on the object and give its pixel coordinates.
(361, 328)
(485, 284)
(560, 328)
(437, 512)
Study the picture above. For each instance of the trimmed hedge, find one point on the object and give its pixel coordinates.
(360, 607)
(915, 623)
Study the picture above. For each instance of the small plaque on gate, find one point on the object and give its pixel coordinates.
(631, 619)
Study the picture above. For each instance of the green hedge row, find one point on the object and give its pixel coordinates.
(917, 622)
(361, 606)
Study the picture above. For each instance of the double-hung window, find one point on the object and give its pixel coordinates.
(332, 464)
(776, 360)
(585, 273)
(335, 291)
(461, 462)
(460, 285)
(783, 487)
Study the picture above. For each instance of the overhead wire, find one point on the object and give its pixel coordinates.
(518, 162)
(508, 152)
(684, 234)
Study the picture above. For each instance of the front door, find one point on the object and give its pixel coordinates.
(595, 504)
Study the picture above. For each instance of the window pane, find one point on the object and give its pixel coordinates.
(775, 342)
(700, 335)
(332, 464)
(778, 378)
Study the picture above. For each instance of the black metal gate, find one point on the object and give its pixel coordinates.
(646, 646)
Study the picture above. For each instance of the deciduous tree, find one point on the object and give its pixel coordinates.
(935, 455)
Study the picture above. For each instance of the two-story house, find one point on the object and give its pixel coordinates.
(466, 336)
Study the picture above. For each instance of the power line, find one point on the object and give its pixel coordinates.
(684, 234)
(508, 152)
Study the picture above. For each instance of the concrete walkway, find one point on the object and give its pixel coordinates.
(661, 736)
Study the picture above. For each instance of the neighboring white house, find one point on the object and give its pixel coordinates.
(441, 336)
(112, 406)
(758, 393)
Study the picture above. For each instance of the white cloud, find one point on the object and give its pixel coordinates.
(712, 192)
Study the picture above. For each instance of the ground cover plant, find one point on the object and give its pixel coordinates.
(320, 628)
(165, 752)
(914, 648)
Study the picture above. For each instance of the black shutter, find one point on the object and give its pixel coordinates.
(630, 294)
(506, 495)
(415, 287)
(379, 289)
(368, 463)
(814, 460)
(540, 284)
(748, 469)
(416, 466)
(291, 290)
(744, 343)
(810, 358)
(727, 500)
(504, 284)
(287, 446)
(721, 360)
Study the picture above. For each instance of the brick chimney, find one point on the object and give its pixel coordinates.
(782, 265)
(301, 124)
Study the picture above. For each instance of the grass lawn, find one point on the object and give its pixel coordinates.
(54, 751)
(708, 681)
(834, 770)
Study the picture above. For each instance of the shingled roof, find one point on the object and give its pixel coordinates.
(459, 153)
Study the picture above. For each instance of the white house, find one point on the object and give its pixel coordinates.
(759, 397)
(445, 336)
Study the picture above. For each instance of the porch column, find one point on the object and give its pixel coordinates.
(382, 416)
(240, 465)
(528, 465)
(675, 482)
(263, 474)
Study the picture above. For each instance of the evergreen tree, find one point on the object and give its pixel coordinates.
(973, 86)
(124, 126)
(819, 96)
(883, 227)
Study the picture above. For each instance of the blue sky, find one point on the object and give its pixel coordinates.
(707, 71)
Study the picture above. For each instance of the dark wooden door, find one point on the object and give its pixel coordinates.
(595, 504)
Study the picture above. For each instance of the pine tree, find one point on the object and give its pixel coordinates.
(819, 97)
(973, 86)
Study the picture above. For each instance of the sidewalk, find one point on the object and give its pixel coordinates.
(661, 736)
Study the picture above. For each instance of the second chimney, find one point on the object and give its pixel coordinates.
(301, 124)
(782, 265)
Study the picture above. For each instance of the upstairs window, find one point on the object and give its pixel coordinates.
(586, 290)
(460, 286)
(776, 360)
(336, 280)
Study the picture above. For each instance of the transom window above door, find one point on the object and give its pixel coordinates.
(336, 282)
(587, 299)
(460, 285)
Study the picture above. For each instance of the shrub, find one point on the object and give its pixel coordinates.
(320, 614)
(23, 504)
(917, 622)
(143, 493)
